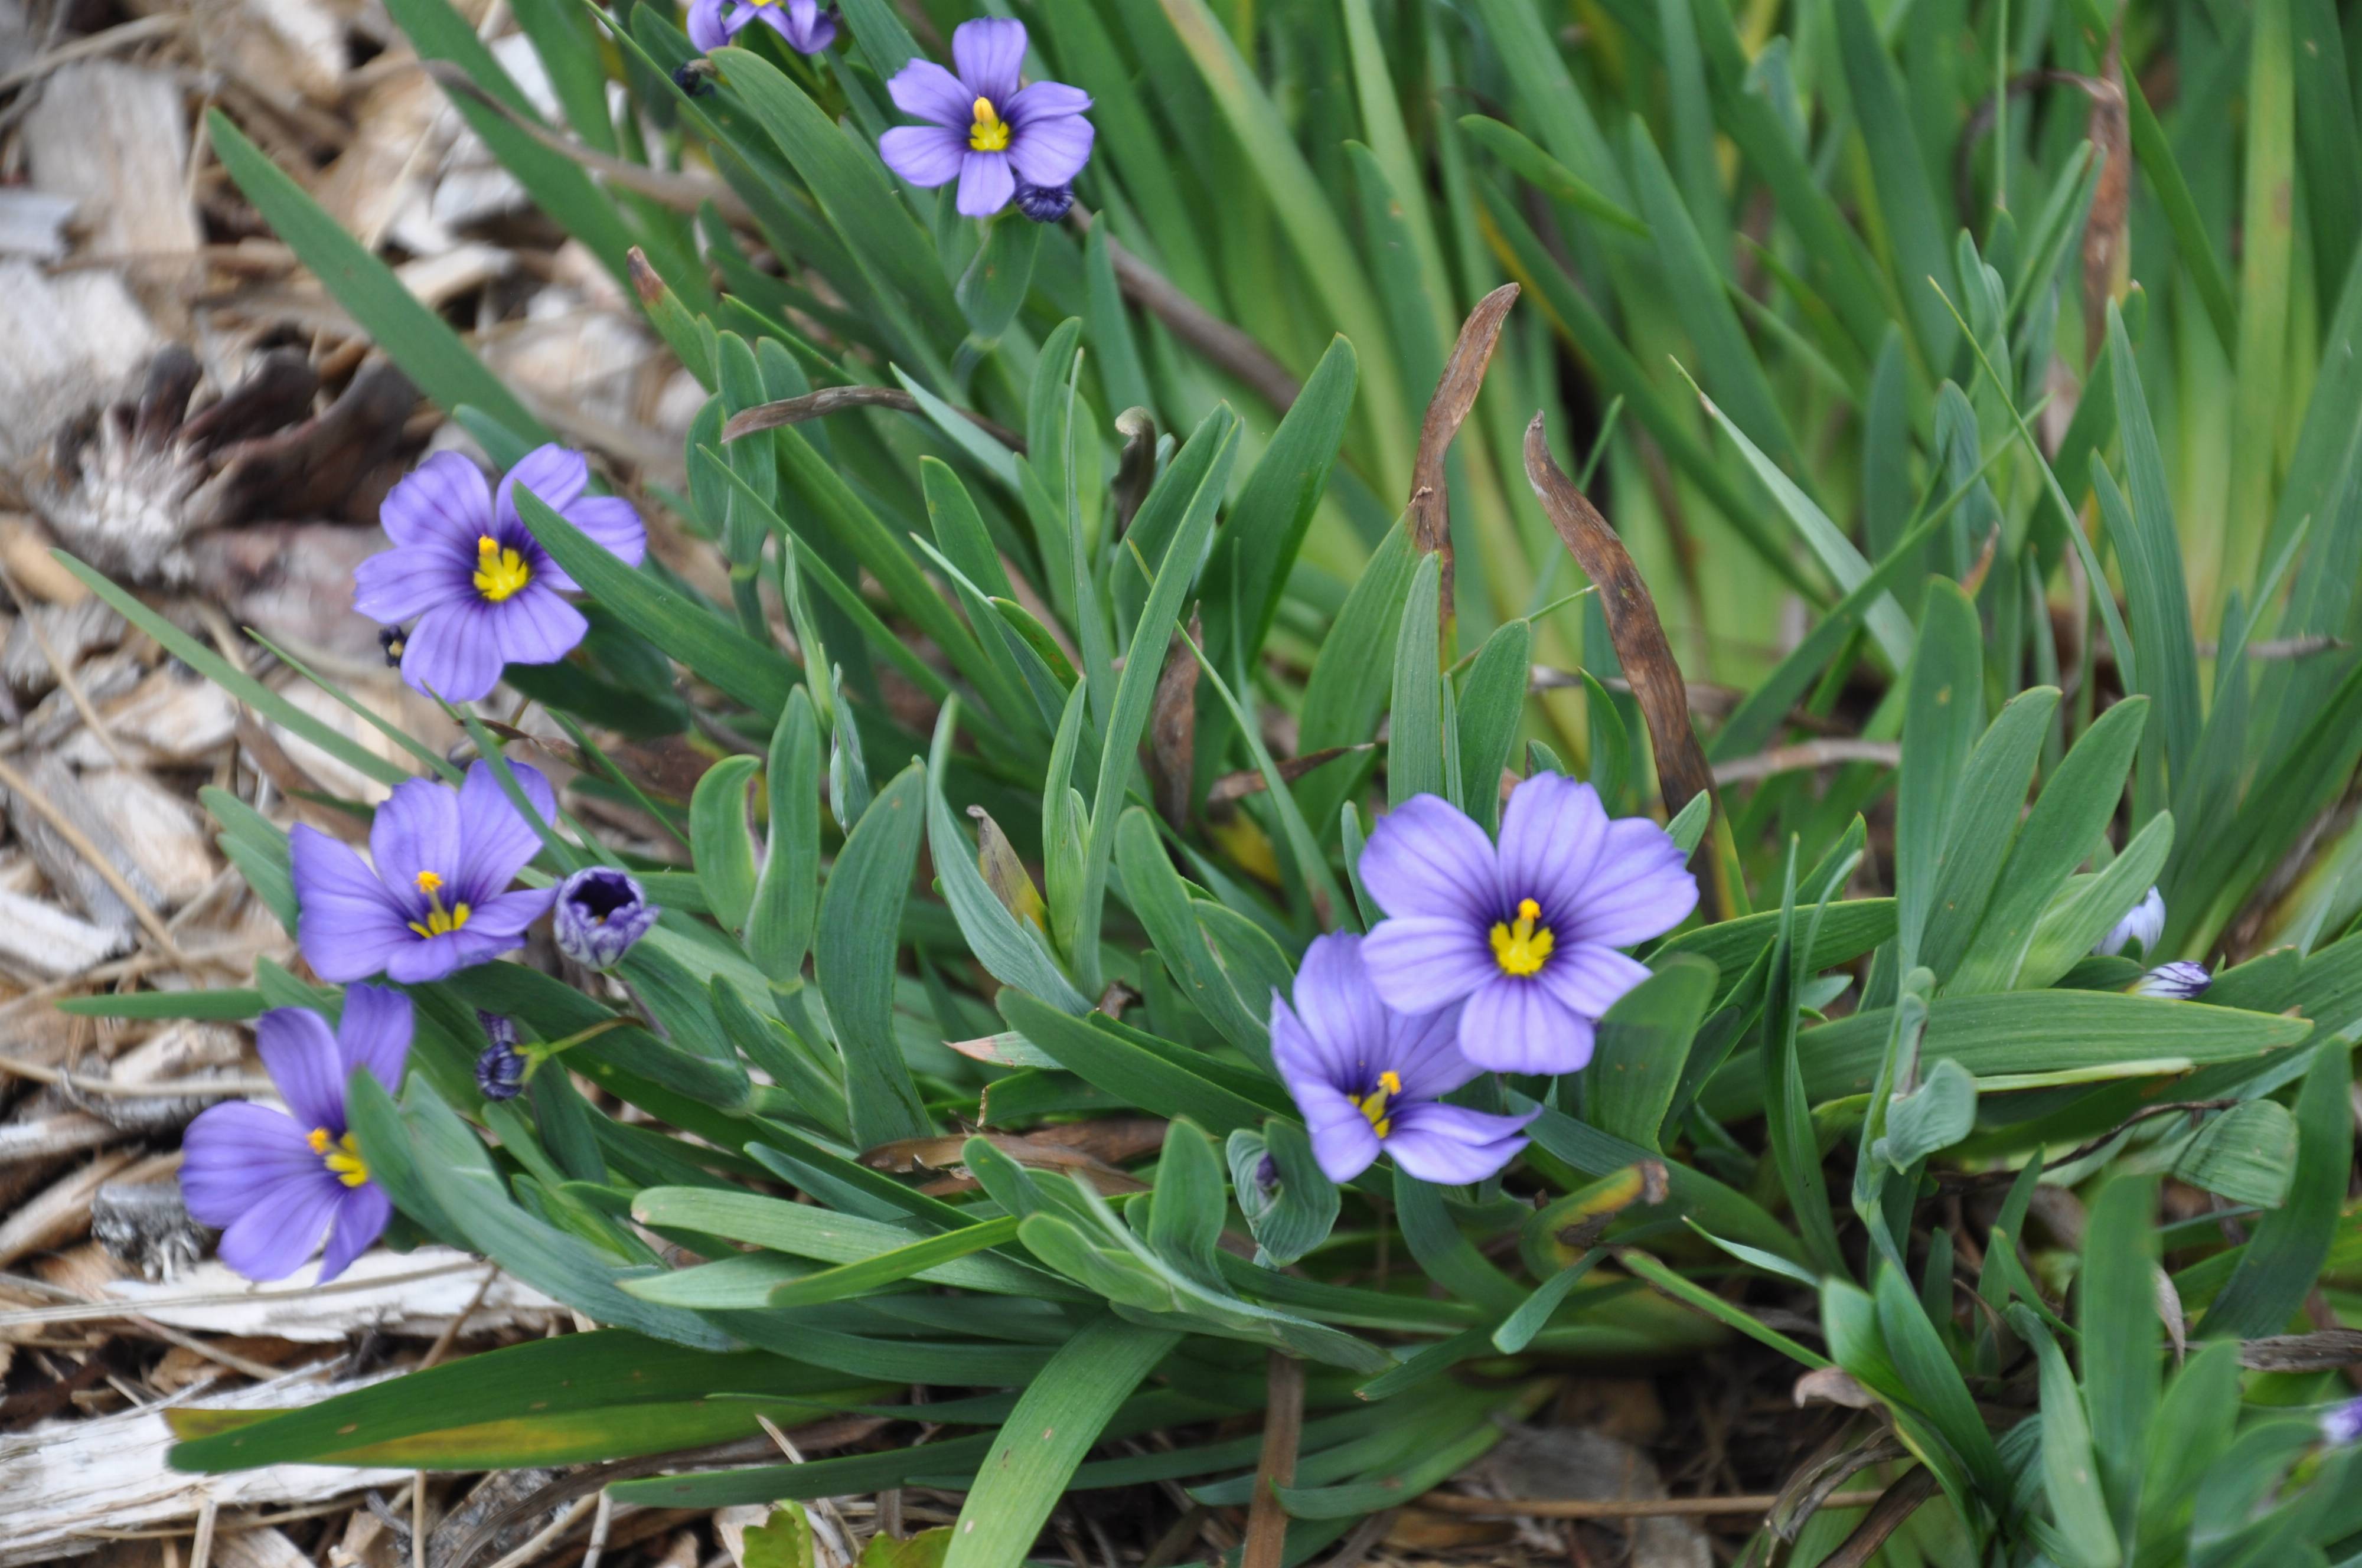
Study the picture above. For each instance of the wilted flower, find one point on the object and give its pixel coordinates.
(274, 1182)
(807, 27)
(391, 641)
(1526, 932)
(500, 1069)
(438, 899)
(600, 912)
(1044, 203)
(982, 128)
(2181, 980)
(484, 591)
(2343, 1423)
(2143, 925)
(1370, 1080)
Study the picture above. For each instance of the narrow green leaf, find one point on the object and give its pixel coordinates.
(854, 953)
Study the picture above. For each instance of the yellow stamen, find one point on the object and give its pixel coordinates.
(1519, 949)
(341, 1156)
(1373, 1104)
(439, 922)
(990, 132)
(499, 572)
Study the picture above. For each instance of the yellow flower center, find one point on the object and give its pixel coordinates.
(499, 572)
(1519, 949)
(439, 922)
(990, 132)
(1373, 1104)
(341, 1156)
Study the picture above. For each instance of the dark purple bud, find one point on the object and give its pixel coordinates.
(600, 912)
(2181, 980)
(696, 78)
(392, 640)
(1044, 203)
(499, 1071)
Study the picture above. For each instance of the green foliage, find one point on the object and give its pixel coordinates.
(1997, 454)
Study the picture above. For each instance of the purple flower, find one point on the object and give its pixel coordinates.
(485, 593)
(982, 128)
(2145, 924)
(2343, 1423)
(808, 27)
(1525, 933)
(2181, 980)
(274, 1182)
(1370, 1080)
(438, 899)
(600, 912)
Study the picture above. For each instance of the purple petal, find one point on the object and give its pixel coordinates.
(347, 922)
(985, 185)
(705, 26)
(1043, 101)
(534, 625)
(1427, 857)
(1342, 1139)
(614, 524)
(1051, 151)
(558, 475)
(497, 840)
(425, 960)
(454, 653)
(303, 1059)
(926, 90)
(1452, 1145)
(927, 156)
(1427, 962)
(1343, 1022)
(1639, 888)
(501, 921)
(1423, 1049)
(234, 1152)
(443, 504)
(374, 1034)
(1551, 838)
(272, 1239)
(807, 29)
(394, 585)
(989, 53)
(1589, 978)
(417, 830)
(1516, 1025)
(361, 1216)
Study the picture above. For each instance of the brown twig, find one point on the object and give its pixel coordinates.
(1897, 1503)
(835, 399)
(1805, 755)
(1621, 1507)
(1228, 348)
(1282, 1428)
(682, 193)
(1455, 394)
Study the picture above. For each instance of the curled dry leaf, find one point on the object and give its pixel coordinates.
(1455, 394)
(1632, 623)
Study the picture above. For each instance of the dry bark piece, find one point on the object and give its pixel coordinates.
(64, 342)
(147, 1225)
(60, 1213)
(115, 138)
(39, 939)
(60, 1479)
(1455, 394)
(1574, 1464)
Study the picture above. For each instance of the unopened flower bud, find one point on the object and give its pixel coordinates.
(2143, 926)
(499, 1071)
(600, 912)
(1044, 203)
(2181, 980)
